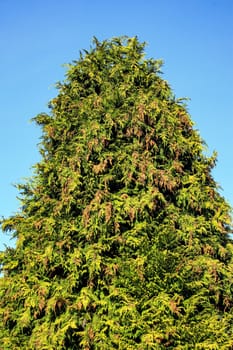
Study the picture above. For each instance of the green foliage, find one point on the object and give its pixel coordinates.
(123, 237)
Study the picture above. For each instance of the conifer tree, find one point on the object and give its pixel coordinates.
(123, 239)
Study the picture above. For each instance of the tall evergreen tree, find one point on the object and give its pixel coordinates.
(123, 237)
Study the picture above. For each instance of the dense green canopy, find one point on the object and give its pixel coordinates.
(123, 237)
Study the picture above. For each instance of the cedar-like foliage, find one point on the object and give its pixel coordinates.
(123, 238)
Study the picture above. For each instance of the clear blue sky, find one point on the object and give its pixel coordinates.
(193, 37)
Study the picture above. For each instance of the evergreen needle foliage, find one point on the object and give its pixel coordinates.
(123, 240)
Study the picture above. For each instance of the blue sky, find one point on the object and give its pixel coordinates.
(193, 37)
